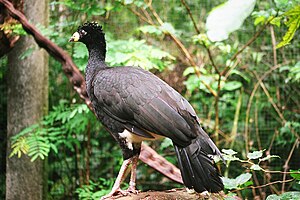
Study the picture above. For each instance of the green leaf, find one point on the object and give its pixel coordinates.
(229, 155)
(167, 142)
(229, 183)
(26, 131)
(294, 72)
(276, 21)
(34, 157)
(192, 83)
(167, 28)
(137, 53)
(234, 183)
(188, 71)
(232, 85)
(255, 167)
(281, 3)
(285, 196)
(15, 28)
(268, 157)
(255, 154)
(201, 39)
(273, 197)
(243, 178)
(293, 24)
(260, 20)
(248, 183)
(150, 29)
(73, 113)
(99, 194)
(19, 146)
(54, 148)
(257, 56)
(295, 174)
(241, 74)
(229, 151)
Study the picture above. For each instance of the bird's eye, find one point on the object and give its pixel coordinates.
(83, 32)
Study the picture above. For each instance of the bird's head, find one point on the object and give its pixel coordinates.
(88, 33)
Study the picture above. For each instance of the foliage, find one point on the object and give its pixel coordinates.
(293, 24)
(235, 183)
(253, 105)
(37, 140)
(293, 72)
(93, 191)
(128, 53)
(295, 174)
(243, 180)
(287, 11)
(13, 28)
(137, 53)
(285, 196)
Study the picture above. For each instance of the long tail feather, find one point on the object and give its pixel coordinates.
(198, 170)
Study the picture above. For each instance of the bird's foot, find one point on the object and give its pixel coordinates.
(119, 192)
(116, 193)
(132, 190)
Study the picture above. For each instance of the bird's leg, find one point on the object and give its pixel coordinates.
(132, 183)
(121, 176)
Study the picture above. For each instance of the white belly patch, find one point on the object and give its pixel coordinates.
(133, 138)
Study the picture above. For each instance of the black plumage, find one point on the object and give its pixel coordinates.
(135, 105)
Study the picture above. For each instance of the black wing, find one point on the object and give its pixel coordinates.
(144, 103)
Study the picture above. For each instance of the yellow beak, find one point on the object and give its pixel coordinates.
(75, 37)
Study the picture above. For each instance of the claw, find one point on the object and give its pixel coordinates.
(116, 190)
(113, 194)
(132, 190)
(119, 192)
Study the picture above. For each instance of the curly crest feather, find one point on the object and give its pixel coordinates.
(91, 25)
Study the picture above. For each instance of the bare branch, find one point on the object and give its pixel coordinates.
(190, 14)
(286, 164)
(250, 103)
(256, 35)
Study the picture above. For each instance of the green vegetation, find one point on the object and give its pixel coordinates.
(245, 90)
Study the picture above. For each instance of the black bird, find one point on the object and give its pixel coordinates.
(135, 105)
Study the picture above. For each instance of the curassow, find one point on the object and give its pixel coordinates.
(135, 105)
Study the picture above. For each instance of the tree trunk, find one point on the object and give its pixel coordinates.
(27, 103)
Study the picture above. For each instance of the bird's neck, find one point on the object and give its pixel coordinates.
(97, 52)
(96, 62)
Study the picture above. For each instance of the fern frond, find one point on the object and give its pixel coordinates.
(19, 146)
(39, 147)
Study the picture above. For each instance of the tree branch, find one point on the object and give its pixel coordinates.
(256, 35)
(175, 39)
(250, 103)
(191, 16)
(265, 185)
(173, 194)
(286, 164)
